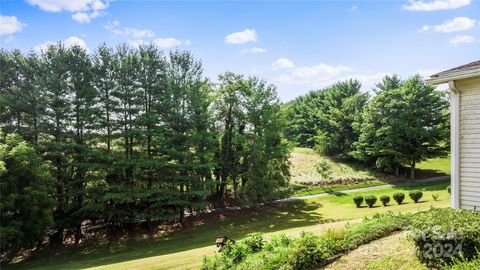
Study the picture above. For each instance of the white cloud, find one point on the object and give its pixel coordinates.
(83, 17)
(354, 8)
(457, 24)
(282, 63)
(424, 28)
(10, 25)
(83, 11)
(114, 28)
(112, 25)
(253, 50)
(134, 32)
(139, 35)
(69, 42)
(416, 5)
(461, 39)
(322, 75)
(244, 36)
(170, 42)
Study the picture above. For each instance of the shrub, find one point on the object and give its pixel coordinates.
(415, 195)
(435, 197)
(324, 169)
(370, 200)
(440, 235)
(385, 200)
(309, 250)
(449, 189)
(399, 197)
(358, 200)
(463, 264)
(254, 242)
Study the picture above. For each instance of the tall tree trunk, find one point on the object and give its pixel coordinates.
(412, 170)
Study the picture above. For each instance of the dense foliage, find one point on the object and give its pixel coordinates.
(358, 200)
(308, 250)
(26, 189)
(135, 135)
(324, 118)
(403, 126)
(415, 195)
(443, 234)
(405, 123)
(399, 197)
(370, 201)
(385, 199)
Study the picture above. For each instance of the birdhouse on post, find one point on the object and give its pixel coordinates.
(221, 241)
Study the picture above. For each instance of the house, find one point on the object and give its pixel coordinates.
(464, 83)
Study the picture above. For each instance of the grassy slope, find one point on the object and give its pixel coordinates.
(304, 161)
(184, 250)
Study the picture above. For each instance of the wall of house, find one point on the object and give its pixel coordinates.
(469, 143)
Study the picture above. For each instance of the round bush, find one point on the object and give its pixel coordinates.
(370, 200)
(358, 200)
(415, 195)
(385, 200)
(399, 197)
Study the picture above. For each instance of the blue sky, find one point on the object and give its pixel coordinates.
(296, 45)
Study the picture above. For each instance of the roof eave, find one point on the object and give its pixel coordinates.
(454, 76)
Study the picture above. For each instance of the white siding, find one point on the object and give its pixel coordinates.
(469, 143)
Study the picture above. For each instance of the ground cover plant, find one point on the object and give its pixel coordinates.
(308, 250)
(184, 248)
(444, 234)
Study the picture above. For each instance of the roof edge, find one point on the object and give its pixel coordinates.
(453, 76)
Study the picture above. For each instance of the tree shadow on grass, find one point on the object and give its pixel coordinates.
(234, 224)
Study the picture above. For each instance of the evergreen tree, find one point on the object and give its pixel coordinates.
(403, 126)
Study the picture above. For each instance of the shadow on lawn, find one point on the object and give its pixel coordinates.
(235, 224)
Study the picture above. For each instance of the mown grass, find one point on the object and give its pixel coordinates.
(185, 249)
(435, 165)
(302, 191)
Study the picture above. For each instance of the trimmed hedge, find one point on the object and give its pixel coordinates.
(385, 200)
(358, 200)
(443, 234)
(399, 197)
(415, 195)
(370, 201)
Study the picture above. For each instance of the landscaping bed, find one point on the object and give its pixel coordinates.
(435, 227)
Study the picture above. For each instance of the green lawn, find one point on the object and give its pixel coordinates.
(436, 165)
(184, 250)
(304, 160)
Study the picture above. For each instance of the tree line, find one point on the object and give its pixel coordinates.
(127, 135)
(404, 123)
